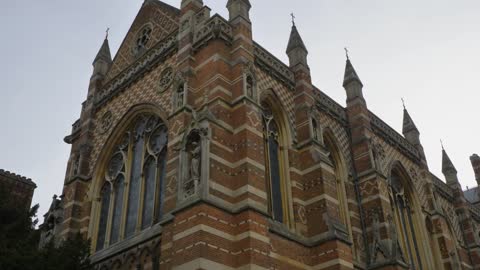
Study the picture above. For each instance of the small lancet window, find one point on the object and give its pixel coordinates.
(273, 162)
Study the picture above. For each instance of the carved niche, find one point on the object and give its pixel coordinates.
(250, 82)
(180, 92)
(379, 154)
(194, 163)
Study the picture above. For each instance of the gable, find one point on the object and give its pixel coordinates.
(163, 19)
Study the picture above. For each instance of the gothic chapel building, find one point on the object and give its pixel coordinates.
(196, 148)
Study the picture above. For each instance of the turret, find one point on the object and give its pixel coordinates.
(475, 159)
(296, 50)
(194, 3)
(239, 8)
(448, 169)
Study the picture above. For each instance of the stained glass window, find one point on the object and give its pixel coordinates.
(402, 210)
(117, 208)
(136, 172)
(104, 209)
(272, 147)
(149, 199)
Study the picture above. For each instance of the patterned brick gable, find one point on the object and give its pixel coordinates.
(163, 20)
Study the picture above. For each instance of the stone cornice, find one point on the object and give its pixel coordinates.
(215, 28)
(273, 66)
(330, 107)
(151, 58)
(393, 138)
(443, 189)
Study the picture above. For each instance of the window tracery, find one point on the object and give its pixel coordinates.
(142, 40)
(402, 208)
(274, 165)
(131, 199)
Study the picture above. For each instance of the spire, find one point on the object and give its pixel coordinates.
(350, 74)
(412, 135)
(296, 50)
(103, 60)
(448, 169)
(104, 52)
(408, 124)
(295, 41)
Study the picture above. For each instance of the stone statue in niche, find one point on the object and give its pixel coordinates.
(194, 152)
(249, 86)
(180, 95)
(195, 163)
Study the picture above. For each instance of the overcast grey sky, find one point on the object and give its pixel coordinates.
(425, 51)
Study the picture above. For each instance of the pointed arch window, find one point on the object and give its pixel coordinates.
(273, 141)
(131, 199)
(340, 178)
(405, 220)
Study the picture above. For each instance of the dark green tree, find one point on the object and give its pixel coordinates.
(19, 241)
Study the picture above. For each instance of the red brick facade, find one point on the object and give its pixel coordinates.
(355, 193)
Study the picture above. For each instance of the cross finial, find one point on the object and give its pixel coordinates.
(293, 18)
(403, 101)
(106, 32)
(346, 53)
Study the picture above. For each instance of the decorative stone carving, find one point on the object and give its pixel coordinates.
(194, 158)
(106, 122)
(378, 153)
(414, 174)
(250, 85)
(389, 248)
(215, 27)
(166, 79)
(180, 88)
(115, 166)
(389, 134)
(274, 67)
(143, 37)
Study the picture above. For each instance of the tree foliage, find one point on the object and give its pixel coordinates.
(19, 241)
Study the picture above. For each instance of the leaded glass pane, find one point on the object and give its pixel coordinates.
(115, 166)
(163, 168)
(277, 206)
(158, 140)
(117, 209)
(149, 193)
(134, 190)
(104, 209)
